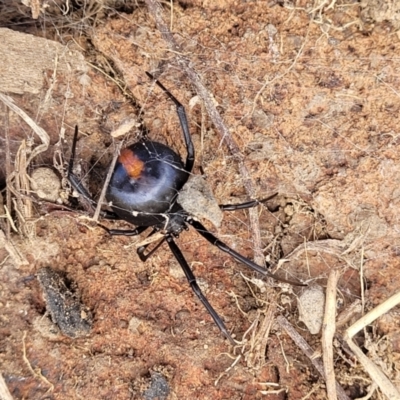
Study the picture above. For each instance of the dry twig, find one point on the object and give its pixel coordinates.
(254, 349)
(156, 11)
(384, 383)
(12, 250)
(18, 180)
(8, 165)
(328, 332)
(308, 351)
(35, 372)
(4, 392)
(44, 137)
(107, 181)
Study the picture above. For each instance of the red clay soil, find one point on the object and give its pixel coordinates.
(312, 100)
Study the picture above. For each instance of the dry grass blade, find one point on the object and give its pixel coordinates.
(18, 180)
(12, 250)
(44, 137)
(255, 356)
(8, 170)
(18, 184)
(384, 383)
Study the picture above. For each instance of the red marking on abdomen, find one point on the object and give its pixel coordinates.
(132, 164)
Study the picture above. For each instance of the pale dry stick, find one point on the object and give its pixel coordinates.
(4, 392)
(322, 5)
(8, 216)
(362, 280)
(237, 359)
(37, 373)
(18, 183)
(35, 8)
(351, 311)
(44, 137)
(308, 395)
(53, 81)
(384, 383)
(371, 390)
(8, 164)
(107, 181)
(242, 343)
(269, 392)
(255, 356)
(171, 22)
(19, 175)
(157, 13)
(12, 250)
(308, 351)
(328, 333)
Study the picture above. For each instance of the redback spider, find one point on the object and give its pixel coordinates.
(143, 191)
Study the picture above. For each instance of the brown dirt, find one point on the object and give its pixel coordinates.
(312, 99)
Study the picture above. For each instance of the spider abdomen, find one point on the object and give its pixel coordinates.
(145, 182)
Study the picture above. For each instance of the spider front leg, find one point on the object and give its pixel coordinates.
(134, 232)
(195, 287)
(184, 125)
(141, 250)
(73, 179)
(247, 204)
(124, 232)
(237, 256)
(81, 190)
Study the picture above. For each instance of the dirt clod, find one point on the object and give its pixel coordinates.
(64, 304)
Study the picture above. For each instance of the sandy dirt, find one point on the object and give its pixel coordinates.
(310, 94)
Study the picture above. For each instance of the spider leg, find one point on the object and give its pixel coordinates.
(77, 184)
(124, 232)
(73, 150)
(110, 215)
(72, 178)
(239, 206)
(237, 256)
(247, 204)
(184, 125)
(140, 251)
(134, 232)
(195, 287)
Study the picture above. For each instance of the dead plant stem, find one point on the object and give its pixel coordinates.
(8, 165)
(308, 351)
(107, 181)
(328, 332)
(35, 372)
(157, 13)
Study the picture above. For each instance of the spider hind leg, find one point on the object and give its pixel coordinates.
(196, 289)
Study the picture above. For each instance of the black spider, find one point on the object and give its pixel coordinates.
(143, 191)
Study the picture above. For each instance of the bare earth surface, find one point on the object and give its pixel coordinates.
(311, 96)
